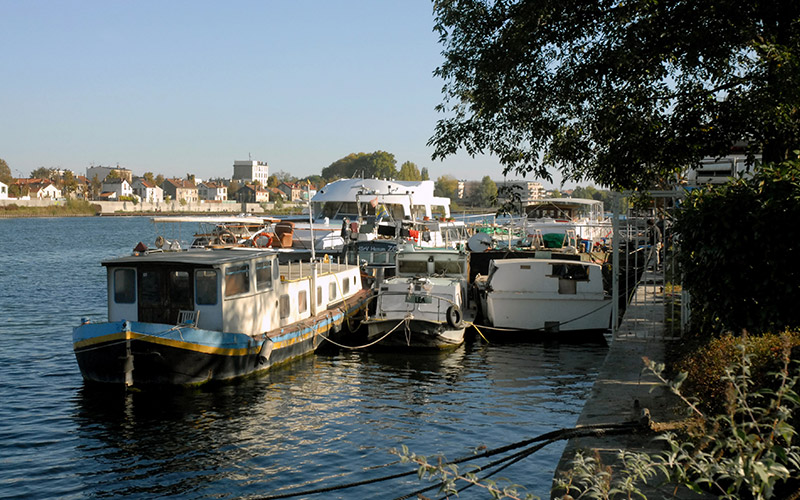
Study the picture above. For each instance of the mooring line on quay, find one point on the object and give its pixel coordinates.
(544, 439)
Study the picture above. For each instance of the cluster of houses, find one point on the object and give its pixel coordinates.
(117, 183)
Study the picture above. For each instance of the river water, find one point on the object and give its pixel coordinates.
(325, 420)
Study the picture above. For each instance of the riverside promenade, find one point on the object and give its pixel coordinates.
(623, 392)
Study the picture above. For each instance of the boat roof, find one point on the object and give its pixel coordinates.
(563, 201)
(221, 219)
(197, 257)
(349, 190)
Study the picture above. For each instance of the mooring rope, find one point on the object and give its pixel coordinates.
(402, 321)
(544, 439)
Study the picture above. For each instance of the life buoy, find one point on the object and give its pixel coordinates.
(453, 316)
(227, 238)
(264, 238)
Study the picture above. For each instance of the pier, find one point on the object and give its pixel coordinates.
(623, 392)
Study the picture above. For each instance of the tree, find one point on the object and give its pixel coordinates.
(409, 172)
(486, 194)
(42, 173)
(5, 172)
(112, 175)
(379, 164)
(148, 177)
(622, 93)
(94, 187)
(68, 183)
(159, 180)
(424, 175)
(446, 186)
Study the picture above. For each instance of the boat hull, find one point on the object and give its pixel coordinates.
(138, 354)
(531, 312)
(417, 334)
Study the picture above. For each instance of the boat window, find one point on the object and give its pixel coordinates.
(237, 280)
(332, 291)
(447, 267)
(345, 286)
(263, 275)
(205, 285)
(574, 272)
(284, 306)
(150, 288)
(412, 266)
(302, 301)
(319, 295)
(180, 289)
(124, 286)
(379, 258)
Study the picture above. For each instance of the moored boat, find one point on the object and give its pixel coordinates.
(544, 297)
(426, 305)
(191, 317)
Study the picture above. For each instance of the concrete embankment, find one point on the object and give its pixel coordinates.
(623, 392)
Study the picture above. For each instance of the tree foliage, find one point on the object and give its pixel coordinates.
(447, 186)
(620, 93)
(486, 193)
(424, 175)
(737, 251)
(409, 172)
(5, 172)
(379, 164)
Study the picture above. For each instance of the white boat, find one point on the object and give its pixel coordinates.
(569, 222)
(195, 316)
(426, 305)
(365, 209)
(545, 296)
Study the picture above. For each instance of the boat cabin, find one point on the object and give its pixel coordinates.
(434, 262)
(566, 209)
(230, 290)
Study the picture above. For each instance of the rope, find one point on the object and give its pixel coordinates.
(544, 439)
(402, 321)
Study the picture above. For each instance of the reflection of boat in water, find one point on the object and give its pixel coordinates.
(189, 317)
(545, 296)
(426, 305)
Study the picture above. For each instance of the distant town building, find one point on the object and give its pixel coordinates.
(148, 191)
(212, 191)
(721, 170)
(528, 191)
(252, 193)
(251, 171)
(180, 189)
(102, 172)
(37, 188)
(291, 191)
(119, 186)
(3, 191)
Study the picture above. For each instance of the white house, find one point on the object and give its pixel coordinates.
(3, 191)
(212, 191)
(251, 171)
(119, 186)
(46, 190)
(147, 191)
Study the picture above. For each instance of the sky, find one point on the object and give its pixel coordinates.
(188, 87)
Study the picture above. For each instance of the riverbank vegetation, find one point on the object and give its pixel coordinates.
(70, 208)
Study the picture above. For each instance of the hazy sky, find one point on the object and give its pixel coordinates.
(179, 87)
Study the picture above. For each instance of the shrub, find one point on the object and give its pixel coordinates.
(705, 366)
(737, 251)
